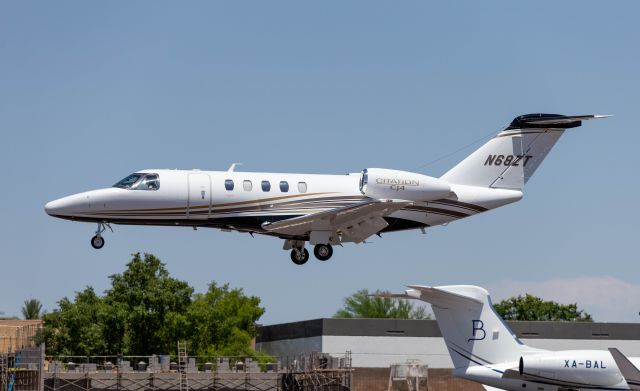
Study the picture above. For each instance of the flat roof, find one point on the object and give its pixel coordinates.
(429, 328)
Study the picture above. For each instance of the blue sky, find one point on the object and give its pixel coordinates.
(90, 92)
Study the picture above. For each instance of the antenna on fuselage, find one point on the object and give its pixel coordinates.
(232, 168)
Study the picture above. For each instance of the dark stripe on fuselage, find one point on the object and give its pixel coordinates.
(243, 224)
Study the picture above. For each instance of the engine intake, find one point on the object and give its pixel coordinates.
(382, 183)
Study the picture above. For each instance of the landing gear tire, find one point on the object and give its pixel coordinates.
(97, 242)
(323, 251)
(299, 256)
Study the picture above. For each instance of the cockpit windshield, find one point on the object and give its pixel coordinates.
(140, 182)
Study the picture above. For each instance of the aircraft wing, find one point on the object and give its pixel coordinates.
(489, 388)
(629, 371)
(355, 222)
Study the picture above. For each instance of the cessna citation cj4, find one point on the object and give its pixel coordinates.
(484, 349)
(325, 210)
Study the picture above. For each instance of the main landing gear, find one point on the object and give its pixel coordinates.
(300, 255)
(97, 241)
(323, 251)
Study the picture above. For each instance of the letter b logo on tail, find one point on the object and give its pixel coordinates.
(477, 330)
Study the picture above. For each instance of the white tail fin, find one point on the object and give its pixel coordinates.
(509, 159)
(473, 331)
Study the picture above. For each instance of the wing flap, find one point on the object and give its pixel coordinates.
(357, 221)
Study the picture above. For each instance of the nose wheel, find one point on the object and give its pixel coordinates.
(299, 256)
(97, 241)
(323, 251)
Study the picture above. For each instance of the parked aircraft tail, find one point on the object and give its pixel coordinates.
(474, 333)
(509, 159)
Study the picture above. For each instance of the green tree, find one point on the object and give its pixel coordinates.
(223, 321)
(31, 309)
(149, 306)
(76, 327)
(146, 311)
(363, 305)
(530, 307)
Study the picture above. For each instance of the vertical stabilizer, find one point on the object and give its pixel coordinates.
(474, 333)
(508, 160)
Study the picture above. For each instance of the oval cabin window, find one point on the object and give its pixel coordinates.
(228, 184)
(302, 187)
(266, 186)
(284, 186)
(247, 185)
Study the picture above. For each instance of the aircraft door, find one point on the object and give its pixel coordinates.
(199, 197)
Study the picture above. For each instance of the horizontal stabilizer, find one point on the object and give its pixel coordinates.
(508, 160)
(629, 371)
(550, 121)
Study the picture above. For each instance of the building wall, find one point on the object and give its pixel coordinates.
(18, 334)
(291, 348)
(380, 352)
(378, 343)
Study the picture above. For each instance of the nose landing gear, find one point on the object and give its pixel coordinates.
(97, 241)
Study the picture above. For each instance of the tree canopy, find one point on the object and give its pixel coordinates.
(146, 311)
(362, 305)
(31, 309)
(530, 307)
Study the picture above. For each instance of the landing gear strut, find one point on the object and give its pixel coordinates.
(323, 251)
(299, 256)
(97, 241)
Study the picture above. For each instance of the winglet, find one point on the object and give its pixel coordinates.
(629, 371)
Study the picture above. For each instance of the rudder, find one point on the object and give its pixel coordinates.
(474, 333)
(508, 160)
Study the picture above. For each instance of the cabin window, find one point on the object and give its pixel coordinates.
(247, 185)
(302, 187)
(266, 186)
(284, 186)
(228, 184)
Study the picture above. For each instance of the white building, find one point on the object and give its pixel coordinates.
(377, 343)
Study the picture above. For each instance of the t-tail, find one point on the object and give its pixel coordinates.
(474, 333)
(508, 160)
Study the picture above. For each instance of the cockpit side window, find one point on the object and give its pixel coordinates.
(129, 181)
(150, 182)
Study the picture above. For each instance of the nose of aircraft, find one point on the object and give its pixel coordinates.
(67, 206)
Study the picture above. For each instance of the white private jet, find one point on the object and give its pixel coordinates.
(325, 210)
(483, 348)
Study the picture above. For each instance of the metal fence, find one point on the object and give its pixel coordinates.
(162, 373)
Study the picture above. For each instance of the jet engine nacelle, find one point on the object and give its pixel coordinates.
(595, 367)
(394, 184)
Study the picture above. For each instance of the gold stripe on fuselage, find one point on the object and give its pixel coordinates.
(257, 201)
